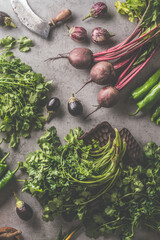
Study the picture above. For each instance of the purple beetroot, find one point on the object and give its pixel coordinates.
(102, 73)
(80, 58)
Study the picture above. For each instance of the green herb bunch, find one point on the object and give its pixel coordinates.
(67, 178)
(132, 202)
(9, 42)
(22, 97)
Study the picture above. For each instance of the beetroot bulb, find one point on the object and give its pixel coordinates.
(102, 73)
(107, 97)
(80, 58)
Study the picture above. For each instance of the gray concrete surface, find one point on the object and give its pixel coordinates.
(67, 80)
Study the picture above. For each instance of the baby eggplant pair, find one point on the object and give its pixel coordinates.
(75, 107)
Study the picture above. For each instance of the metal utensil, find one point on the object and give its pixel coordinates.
(34, 22)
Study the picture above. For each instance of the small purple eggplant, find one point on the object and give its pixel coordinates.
(23, 210)
(75, 107)
(99, 9)
(100, 35)
(6, 20)
(78, 34)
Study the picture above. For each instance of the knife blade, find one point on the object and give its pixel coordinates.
(27, 16)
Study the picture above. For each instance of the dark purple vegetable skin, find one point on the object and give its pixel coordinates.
(107, 97)
(75, 107)
(6, 20)
(53, 105)
(102, 73)
(23, 210)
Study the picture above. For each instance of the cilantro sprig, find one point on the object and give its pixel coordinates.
(24, 44)
(22, 97)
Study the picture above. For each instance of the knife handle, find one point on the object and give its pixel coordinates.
(63, 16)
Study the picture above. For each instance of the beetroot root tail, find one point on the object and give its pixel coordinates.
(98, 107)
(84, 85)
(58, 57)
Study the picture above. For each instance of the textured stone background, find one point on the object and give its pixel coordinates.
(67, 80)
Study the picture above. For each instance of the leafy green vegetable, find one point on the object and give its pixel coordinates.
(24, 44)
(66, 178)
(132, 202)
(132, 8)
(8, 42)
(23, 95)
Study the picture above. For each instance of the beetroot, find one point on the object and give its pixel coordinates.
(80, 58)
(107, 97)
(102, 73)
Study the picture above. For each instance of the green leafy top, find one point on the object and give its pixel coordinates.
(132, 8)
(23, 95)
(66, 178)
(9, 42)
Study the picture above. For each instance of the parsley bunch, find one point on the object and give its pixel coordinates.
(22, 97)
(67, 178)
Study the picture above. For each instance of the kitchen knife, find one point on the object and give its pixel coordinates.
(34, 22)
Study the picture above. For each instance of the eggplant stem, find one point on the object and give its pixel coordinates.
(12, 25)
(98, 107)
(15, 195)
(88, 16)
(68, 27)
(90, 80)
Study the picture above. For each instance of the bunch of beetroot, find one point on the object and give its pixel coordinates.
(128, 59)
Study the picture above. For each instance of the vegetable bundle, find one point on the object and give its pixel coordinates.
(148, 96)
(77, 180)
(66, 179)
(135, 51)
(132, 203)
(22, 97)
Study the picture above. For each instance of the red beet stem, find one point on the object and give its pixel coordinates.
(131, 44)
(118, 46)
(103, 58)
(128, 67)
(129, 39)
(121, 63)
(134, 72)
